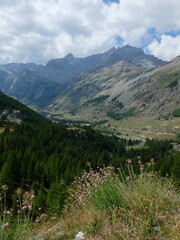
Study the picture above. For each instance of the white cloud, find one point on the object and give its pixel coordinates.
(167, 48)
(39, 30)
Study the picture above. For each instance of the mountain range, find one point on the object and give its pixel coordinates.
(118, 83)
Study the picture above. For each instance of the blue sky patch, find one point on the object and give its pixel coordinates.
(119, 41)
(110, 1)
(151, 34)
(173, 33)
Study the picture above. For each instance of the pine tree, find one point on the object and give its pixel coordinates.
(53, 198)
(6, 176)
(41, 198)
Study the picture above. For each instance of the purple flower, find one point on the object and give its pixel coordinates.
(24, 207)
(5, 225)
(128, 178)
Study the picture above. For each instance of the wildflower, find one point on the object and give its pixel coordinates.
(18, 212)
(32, 197)
(152, 160)
(8, 212)
(142, 168)
(24, 207)
(24, 203)
(127, 178)
(79, 236)
(4, 187)
(129, 161)
(37, 221)
(39, 209)
(5, 225)
(19, 191)
(139, 157)
(139, 162)
(30, 207)
(80, 198)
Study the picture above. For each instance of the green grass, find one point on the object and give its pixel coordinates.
(119, 116)
(99, 99)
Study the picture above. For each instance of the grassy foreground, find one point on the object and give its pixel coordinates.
(109, 205)
(114, 204)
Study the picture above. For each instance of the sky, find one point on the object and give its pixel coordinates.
(39, 30)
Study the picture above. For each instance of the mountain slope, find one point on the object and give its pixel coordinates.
(113, 91)
(27, 86)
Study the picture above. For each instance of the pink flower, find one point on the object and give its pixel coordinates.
(8, 212)
(24, 207)
(129, 161)
(5, 225)
(128, 178)
(30, 207)
(39, 208)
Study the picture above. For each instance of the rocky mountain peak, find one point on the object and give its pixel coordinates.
(69, 56)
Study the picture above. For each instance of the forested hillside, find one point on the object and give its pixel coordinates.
(26, 114)
(40, 155)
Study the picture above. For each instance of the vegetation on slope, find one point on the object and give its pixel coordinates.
(176, 113)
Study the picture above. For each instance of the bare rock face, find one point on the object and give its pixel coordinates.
(11, 116)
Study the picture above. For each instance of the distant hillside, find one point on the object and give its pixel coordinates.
(120, 91)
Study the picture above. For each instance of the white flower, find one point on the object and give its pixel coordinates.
(79, 236)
